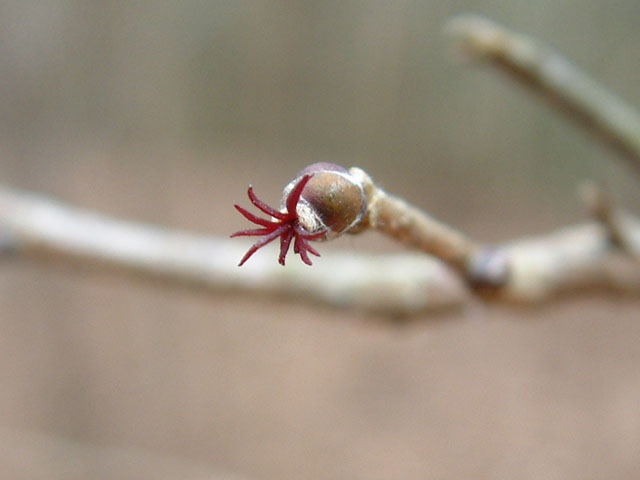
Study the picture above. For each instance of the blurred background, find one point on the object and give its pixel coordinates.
(165, 111)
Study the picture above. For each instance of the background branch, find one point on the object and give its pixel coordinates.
(555, 78)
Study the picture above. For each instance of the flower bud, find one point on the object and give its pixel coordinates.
(332, 200)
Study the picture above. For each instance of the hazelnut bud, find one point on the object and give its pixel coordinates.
(332, 200)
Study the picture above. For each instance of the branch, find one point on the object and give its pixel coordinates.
(481, 267)
(37, 227)
(577, 258)
(555, 78)
(414, 228)
(326, 200)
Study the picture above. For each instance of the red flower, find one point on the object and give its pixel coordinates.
(284, 225)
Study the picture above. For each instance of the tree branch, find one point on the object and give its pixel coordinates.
(602, 254)
(574, 259)
(555, 78)
(413, 227)
(40, 228)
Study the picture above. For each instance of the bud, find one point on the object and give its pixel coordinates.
(322, 202)
(333, 200)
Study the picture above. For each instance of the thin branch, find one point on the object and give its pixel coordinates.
(41, 228)
(602, 254)
(413, 227)
(571, 260)
(560, 82)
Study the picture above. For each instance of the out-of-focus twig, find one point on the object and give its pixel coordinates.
(570, 260)
(573, 259)
(559, 81)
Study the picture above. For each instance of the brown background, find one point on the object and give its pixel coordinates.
(163, 112)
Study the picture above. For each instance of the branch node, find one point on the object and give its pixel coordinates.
(488, 270)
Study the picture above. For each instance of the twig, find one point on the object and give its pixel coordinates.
(407, 224)
(574, 259)
(45, 229)
(560, 82)
(479, 266)
(327, 200)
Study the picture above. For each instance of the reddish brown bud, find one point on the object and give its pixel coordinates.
(333, 200)
(323, 201)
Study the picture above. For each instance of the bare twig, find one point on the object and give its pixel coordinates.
(570, 260)
(574, 259)
(411, 226)
(559, 81)
(602, 254)
(391, 215)
(45, 229)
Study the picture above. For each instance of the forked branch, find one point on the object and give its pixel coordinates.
(326, 200)
(574, 259)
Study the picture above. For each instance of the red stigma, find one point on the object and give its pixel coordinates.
(285, 225)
